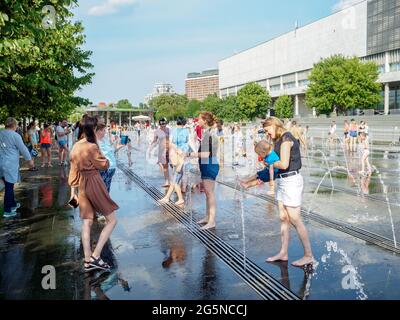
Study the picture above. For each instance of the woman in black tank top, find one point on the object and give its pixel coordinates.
(289, 190)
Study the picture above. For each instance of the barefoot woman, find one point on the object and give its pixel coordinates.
(209, 166)
(289, 189)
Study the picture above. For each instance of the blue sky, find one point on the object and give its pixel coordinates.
(137, 43)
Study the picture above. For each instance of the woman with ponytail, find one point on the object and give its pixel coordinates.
(289, 190)
(209, 167)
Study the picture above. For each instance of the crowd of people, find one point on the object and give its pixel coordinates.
(90, 147)
(278, 147)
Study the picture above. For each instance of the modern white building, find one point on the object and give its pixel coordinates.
(369, 30)
(158, 90)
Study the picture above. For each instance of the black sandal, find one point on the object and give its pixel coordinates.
(88, 268)
(99, 264)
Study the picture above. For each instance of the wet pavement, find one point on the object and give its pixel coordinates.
(156, 257)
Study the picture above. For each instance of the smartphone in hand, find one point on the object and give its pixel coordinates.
(73, 203)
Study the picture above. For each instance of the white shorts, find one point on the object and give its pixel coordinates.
(290, 190)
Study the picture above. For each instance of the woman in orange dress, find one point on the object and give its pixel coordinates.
(86, 161)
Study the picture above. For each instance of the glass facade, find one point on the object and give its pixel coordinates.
(383, 26)
(394, 98)
(303, 83)
(275, 87)
(394, 67)
(289, 85)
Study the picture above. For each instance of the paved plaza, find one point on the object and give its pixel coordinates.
(159, 252)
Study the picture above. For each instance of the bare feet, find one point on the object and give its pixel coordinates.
(180, 202)
(271, 193)
(163, 201)
(303, 261)
(208, 226)
(278, 257)
(203, 221)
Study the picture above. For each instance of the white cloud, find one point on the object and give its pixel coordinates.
(344, 4)
(109, 7)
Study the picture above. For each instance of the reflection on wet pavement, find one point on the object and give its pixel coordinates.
(156, 257)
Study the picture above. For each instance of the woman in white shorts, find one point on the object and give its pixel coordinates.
(289, 190)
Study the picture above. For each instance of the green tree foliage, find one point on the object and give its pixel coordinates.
(193, 108)
(169, 106)
(212, 103)
(41, 68)
(124, 104)
(253, 101)
(230, 111)
(77, 114)
(284, 107)
(343, 83)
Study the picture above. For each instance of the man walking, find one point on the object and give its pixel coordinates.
(11, 146)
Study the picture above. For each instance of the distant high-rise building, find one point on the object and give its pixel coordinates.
(199, 85)
(158, 90)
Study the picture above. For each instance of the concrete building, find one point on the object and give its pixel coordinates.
(369, 30)
(158, 90)
(199, 85)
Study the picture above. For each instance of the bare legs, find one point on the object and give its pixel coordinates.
(62, 154)
(290, 215)
(49, 157)
(365, 162)
(285, 234)
(111, 221)
(353, 144)
(211, 205)
(178, 191)
(166, 174)
(45, 152)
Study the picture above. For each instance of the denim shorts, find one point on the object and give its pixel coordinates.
(264, 176)
(353, 134)
(62, 143)
(209, 171)
(45, 145)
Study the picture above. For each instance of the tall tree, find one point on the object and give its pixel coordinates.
(169, 106)
(42, 64)
(193, 108)
(212, 103)
(230, 111)
(284, 107)
(124, 104)
(343, 83)
(253, 101)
